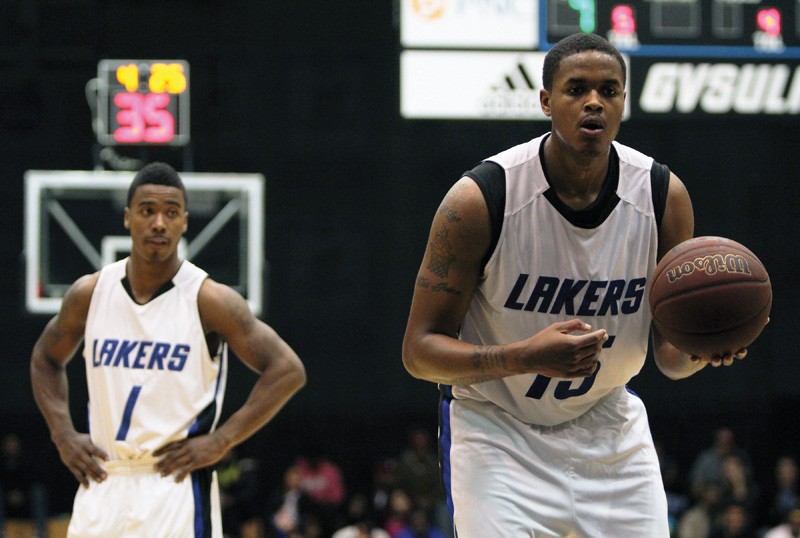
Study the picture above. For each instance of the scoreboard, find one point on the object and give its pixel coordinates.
(680, 28)
(482, 59)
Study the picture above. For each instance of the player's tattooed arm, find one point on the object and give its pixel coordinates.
(486, 359)
(441, 251)
(489, 358)
(487, 363)
(439, 287)
(450, 214)
(441, 254)
(448, 277)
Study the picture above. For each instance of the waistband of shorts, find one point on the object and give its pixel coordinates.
(613, 395)
(130, 467)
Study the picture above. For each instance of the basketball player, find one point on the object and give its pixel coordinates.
(529, 310)
(155, 331)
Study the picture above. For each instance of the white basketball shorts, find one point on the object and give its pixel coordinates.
(135, 502)
(594, 477)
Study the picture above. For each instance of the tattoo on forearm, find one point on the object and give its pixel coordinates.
(424, 282)
(441, 254)
(444, 288)
(488, 357)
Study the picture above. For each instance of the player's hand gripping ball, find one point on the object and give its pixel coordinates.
(710, 296)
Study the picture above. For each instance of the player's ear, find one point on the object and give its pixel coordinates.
(544, 101)
(185, 221)
(126, 219)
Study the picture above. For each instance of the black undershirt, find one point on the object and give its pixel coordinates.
(165, 287)
(490, 178)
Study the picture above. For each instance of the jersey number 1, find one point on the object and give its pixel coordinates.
(128, 412)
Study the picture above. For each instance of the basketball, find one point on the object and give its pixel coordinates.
(710, 296)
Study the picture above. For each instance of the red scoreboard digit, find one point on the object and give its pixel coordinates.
(143, 102)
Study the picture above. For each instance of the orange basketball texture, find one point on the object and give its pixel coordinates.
(710, 296)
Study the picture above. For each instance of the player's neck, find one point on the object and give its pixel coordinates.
(146, 277)
(576, 179)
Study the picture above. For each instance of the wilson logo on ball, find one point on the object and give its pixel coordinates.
(711, 265)
(710, 296)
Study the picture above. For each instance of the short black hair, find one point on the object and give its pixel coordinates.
(156, 173)
(573, 44)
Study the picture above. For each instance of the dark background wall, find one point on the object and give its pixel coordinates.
(306, 93)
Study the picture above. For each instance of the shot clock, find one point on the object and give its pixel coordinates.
(143, 102)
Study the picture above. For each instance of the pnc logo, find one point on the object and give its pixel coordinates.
(430, 9)
(711, 265)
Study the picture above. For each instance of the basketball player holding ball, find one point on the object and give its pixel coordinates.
(530, 312)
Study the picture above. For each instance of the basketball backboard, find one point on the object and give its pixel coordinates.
(74, 226)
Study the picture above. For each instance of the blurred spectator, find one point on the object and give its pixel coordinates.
(418, 471)
(419, 526)
(707, 467)
(238, 493)
(358, 510)
(384, 480)
(312, 528)
(399, 512)
(22, 495)
(677, 500)
(786, 496)
(734, 522)
(321, 479)
(361, 529)
(323, 482)
(738, 486)
(419, 475)
(289, 509)
(789, 529)
(698, 520)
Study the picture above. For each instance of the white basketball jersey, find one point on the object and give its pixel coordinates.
(150, 375)
(544, 269)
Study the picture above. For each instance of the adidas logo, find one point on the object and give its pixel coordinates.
(518, 79)
(516, 95)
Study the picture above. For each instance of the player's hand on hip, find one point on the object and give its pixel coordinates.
(567, 349)
(180, 458)
(81, 457)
